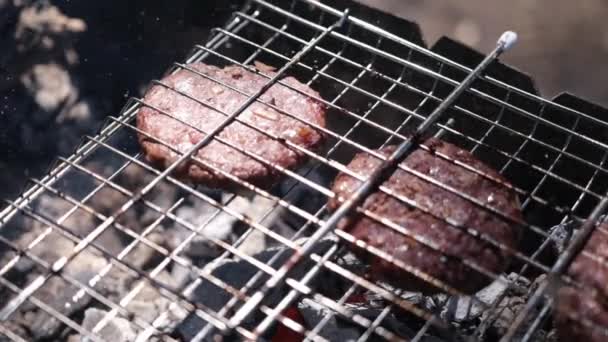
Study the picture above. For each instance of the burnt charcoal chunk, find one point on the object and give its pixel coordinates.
(589, 304)
(453, 244)
(220, 100)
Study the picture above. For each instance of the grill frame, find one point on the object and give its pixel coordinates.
(248, 15)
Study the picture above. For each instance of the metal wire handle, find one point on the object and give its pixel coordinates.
(504, 43)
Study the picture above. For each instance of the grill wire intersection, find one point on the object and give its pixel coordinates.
(302, 284)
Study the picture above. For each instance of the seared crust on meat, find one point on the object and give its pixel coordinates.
(452, 244)
(205, 117)
(589, 270)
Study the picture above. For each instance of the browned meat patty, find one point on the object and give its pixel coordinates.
(450, 241)
(219, 97)
(590, 270)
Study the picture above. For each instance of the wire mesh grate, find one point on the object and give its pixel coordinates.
(108, 244)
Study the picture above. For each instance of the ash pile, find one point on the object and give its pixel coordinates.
(65, 65)
(142, 239)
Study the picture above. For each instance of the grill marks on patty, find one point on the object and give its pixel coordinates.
(218, 101)
(452, 244)
(589, 269)
(444, 262)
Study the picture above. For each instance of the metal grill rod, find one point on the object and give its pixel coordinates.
(140, 132)
(400, 264)
(51, 311)
(363, 71)
(136, 289)
(59, 264)
(383, 33)
(232, 302)
(436, 76)
(53, 176)
(544, 245)
(407, 170)
(511, 158)
(256, 277)
(10, 334)
(222, 40)
(528, 137)
(66, 232)
(292, 295)
(367, 187)
(539, 185)
(84, 288)
(264, 309)
(560, 266)
(443, 78)
(341, 168)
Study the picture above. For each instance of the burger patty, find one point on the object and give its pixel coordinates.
(451, 244)
(218, 102)
(590, 270)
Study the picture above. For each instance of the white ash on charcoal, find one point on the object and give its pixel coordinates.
(218, 228)
(151, 301)
(237, 273)
(147, 306)
(117, 282)
(117, 329)
(142, 256)
(181, 275)
(63, 296)
(50, 86)
(40, 63)
(467, 308)
(265, 212)
(220, 225)
(79, 222)
(86, 265)
(496, 322)
(113, 284)
(488, 313)
(562, 234)
(44, 111)
(55, 292)
(43, 24)
(133, 178)
(14, 328)
(62, 38)
(335, 329)
(35, 31)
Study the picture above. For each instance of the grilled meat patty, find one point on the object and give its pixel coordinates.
(451, 244)
(589, 270)
(216, 102)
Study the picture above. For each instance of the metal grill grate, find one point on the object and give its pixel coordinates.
(87, 251)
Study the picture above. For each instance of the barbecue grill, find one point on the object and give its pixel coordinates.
(106, 247)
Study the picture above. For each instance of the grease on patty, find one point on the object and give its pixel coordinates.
(450, 241)
(217, 101)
